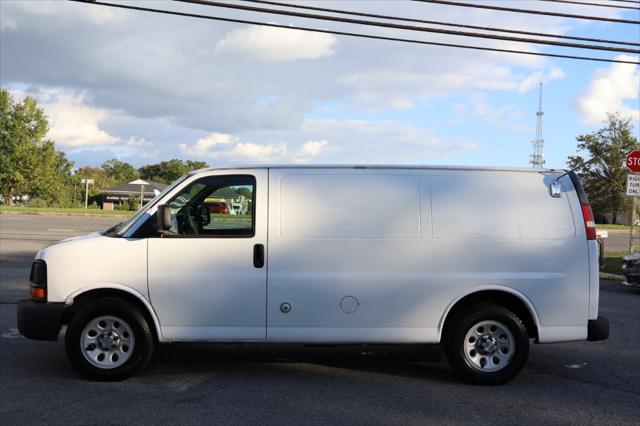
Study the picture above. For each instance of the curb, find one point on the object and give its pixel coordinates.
(612, 277)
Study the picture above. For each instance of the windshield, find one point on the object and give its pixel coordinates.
(121, 228)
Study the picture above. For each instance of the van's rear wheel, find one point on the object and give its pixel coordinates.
(487, 344)
(109, 340)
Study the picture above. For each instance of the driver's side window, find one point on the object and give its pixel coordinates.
(215, 206)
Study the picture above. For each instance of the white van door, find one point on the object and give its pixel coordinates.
(207, 276)
(346, 256)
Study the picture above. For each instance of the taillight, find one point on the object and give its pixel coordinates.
(589, 222)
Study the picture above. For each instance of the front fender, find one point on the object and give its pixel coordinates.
(123, 288)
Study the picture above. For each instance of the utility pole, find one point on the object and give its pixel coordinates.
(537, 158)
(141, 195)
(87, 182)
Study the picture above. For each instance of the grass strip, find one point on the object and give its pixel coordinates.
(57, 211)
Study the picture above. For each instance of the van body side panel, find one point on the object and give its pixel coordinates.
(92, 262)
(345, 252)
(514, 234)
(378, 255)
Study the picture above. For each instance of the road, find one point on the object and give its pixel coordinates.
(618, 241)
(570, 383)
(21, 236)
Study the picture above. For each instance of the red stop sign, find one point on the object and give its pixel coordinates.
(633, 161)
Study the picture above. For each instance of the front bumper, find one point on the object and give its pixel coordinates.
(631, 271)
(598, 329)
(39, 320)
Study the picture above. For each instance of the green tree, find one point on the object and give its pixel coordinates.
(168, 171)
(195, 165)
(101, 180)
(611, 143)
(120, 171)
(29, 164)
(52, 179)
(246, 192)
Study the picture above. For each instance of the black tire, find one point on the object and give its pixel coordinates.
(139, 325)
(456, 332)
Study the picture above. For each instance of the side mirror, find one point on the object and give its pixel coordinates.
(163, 218)
(205, 216)
(597, 166)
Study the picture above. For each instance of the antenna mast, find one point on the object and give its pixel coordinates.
(537, 158)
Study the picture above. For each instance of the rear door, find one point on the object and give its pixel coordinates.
(207, 279)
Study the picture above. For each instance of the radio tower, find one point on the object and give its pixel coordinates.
(537, 158)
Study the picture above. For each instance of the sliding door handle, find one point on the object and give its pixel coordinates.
(258, 255)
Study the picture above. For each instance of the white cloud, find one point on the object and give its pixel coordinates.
(8, 23)
(134, 141)
(277, 44)
(544, 76)
(36, 7)
(608, 90)
(228, 148)
(202, 146)
(379, 141)
(76, 126)
(400, 89)
(206, 78)
(72, 122)
(336, 141)
(507, 117)
(312, 151)
(97, 15)
(105, 15)
(314, 148)
(224, 147)
(255, 152)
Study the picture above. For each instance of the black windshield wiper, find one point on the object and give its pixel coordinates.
(113, 231)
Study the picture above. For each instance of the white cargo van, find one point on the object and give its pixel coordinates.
(479, 260)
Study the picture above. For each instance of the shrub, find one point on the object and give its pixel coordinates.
(37, 202)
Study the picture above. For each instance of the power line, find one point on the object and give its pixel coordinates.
(626, 1)
(408, 27)
(350, 34)
(531, 11)
(583, 3)
(450, 24)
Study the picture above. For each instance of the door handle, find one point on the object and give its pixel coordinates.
(258, 255)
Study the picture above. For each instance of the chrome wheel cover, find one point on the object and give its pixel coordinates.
(107, 342)
(489, 346)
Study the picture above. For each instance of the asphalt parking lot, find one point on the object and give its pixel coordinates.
(569, 383)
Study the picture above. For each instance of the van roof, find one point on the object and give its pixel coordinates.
(377, 166)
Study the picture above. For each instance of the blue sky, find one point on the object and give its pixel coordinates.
(145, 88)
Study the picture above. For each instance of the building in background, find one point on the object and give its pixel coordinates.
(121, 194)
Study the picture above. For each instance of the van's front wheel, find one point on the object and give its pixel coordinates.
(109, 340)
(487, 344)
